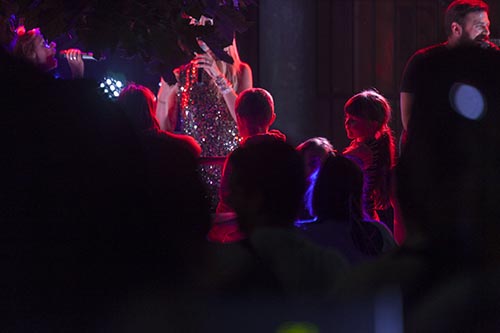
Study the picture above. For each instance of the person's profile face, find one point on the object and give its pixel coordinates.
(358, 127)
(45, 53)
(476, 27)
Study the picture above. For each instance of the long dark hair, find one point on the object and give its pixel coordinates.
(139, 104)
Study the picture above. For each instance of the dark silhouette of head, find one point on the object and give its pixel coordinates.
(315, 151)
(139, 104)
(267, 183)
(338, 190)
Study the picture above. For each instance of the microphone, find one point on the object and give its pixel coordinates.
(199, 73)
(85, 55)
(200, 76)
(204, 47)
(495, 41)
(487, 44)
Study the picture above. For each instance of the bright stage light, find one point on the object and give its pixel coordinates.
(111, 87)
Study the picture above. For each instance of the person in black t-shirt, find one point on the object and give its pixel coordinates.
(466, 22)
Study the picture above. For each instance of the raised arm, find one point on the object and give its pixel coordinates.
(166, 106)
(209, 64)
(245, 81)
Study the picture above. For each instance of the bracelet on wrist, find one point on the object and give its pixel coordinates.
(226, 91)
(225, 87)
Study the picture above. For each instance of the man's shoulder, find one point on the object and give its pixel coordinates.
(418, 60)
(431, 50)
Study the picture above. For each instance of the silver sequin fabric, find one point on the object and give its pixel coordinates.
(204, 116)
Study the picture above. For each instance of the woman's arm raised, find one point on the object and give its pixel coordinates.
(166, 106)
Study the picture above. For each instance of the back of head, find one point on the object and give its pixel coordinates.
(338, 190)
(314, 151)
(458, 9)
(318, 145)
(267, 179)
(254, 110)
(138, 102)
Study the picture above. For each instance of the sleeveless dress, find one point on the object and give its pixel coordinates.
(204, 115)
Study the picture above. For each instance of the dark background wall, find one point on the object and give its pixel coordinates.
(315, 54)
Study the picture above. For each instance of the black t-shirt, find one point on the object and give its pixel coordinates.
(413, 66)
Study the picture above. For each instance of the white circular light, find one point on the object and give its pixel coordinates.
(119, 84)
(112, 87)
(116, 93)
(108, 82)
(467, 100)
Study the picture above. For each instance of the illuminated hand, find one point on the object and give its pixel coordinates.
(75, 62)
(206, 60)
(165, 91)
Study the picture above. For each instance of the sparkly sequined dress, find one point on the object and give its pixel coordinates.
(204, 115)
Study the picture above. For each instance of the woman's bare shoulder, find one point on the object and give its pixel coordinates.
(245, 69)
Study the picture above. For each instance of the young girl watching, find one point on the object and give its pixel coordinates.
(367, 116)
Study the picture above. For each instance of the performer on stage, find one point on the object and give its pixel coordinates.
(201, 104)
(34, 48)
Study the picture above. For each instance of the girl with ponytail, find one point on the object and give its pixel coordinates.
(367, 116)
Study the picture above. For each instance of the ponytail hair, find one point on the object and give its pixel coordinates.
(387, 144)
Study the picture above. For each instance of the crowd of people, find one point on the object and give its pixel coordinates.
(108, 219)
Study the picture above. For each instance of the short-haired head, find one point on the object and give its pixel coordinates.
(458, 10)
(254, 111)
